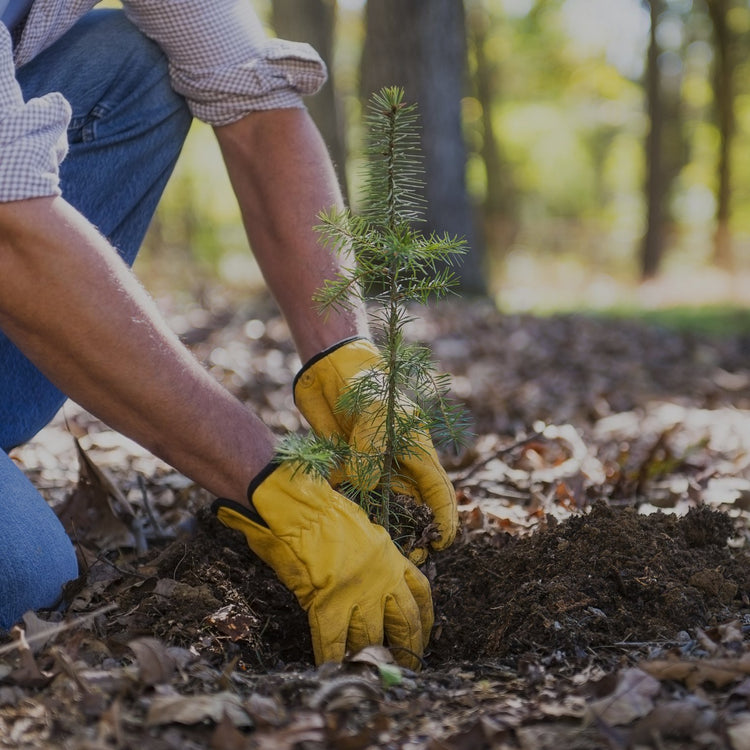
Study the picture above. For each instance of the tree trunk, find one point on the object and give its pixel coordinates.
(653, 241)
(498, 209)
(420, 45)
(724, 71)
(314, 21)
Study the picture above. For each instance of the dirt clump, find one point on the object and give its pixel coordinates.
(608, 577)
(208, 591)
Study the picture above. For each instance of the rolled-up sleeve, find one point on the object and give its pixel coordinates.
(221, 60)
(33, 135)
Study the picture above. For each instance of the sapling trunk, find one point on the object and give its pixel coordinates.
(394, 265)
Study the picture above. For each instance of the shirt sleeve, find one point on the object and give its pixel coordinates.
(221, 60)
(33, 135)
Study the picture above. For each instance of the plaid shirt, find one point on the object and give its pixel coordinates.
(220, 60)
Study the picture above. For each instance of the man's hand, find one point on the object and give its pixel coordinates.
(317, 390)
(356, 587)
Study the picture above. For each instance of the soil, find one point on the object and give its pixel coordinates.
(604, 528)
(575, 588)
(568, 592)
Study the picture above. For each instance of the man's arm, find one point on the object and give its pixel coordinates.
(283, 177)
(76, 310)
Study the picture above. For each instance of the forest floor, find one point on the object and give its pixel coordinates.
(597, 595)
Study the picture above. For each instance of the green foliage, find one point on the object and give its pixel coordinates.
(402, 399)
(710, 320)
(316, 456)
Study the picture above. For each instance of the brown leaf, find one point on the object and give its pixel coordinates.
(305, 728)
(28, 673)
(697, 672)
(193, 709)
(38, 632)
(674, 719)
(739, 735)
(227, 737)
(633, 697)
(239, 626)
(96, 511)
(266, 711)
(155, 664)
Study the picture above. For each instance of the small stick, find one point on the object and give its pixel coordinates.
(43, 635)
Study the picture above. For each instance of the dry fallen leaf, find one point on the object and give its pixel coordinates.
(237, 625)
(266, 711)
(632, 698)
(226, 736)
(305, 728)
(28, 673)
(155, 664)
(697, 672)
(676, 719)
(96, 511)
(193, 709)
(739, 733)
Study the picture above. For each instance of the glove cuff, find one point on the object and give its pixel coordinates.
(321, 355)
(252, 512)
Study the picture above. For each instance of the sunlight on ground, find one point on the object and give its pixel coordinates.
(549, 285)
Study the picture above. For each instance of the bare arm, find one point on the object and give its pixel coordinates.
(71, 305)
(283, 177)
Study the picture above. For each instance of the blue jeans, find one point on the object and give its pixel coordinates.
(126, 133)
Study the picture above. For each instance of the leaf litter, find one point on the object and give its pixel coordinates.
(596, 597)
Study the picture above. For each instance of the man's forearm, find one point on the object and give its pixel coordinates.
(71, 305)
(283, 178)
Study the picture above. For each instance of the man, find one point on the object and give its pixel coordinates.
(94, 107)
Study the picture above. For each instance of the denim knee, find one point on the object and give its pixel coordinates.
(36, 555)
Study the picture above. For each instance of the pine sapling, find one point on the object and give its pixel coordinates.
(392, 266)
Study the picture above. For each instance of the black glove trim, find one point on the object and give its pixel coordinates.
(252, 511)
(260, 477)
(310, 362)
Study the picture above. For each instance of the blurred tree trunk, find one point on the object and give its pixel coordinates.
(314, 22)
(500, 225)
(667, 150)
(725, 66)
(653, 241)
(420, 45)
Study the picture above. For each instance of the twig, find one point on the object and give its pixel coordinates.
(475, 467)
(149, 510)
(101, 558)
(410, 652)
(53, 630)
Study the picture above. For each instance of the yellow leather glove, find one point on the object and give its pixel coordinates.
(317, 389)
(356, 587)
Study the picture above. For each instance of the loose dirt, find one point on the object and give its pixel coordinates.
(574, 591)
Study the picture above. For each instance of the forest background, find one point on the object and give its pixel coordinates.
(594, 153)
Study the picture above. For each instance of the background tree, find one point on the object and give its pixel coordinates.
(499, 205)
(666, 148)
(420, 45)
(314, 22)
(548, 124)
(724, 73)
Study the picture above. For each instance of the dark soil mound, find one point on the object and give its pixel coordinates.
(211, 592)
(565, 592)
(592, 581)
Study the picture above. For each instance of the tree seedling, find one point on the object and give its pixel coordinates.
(392, 266)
